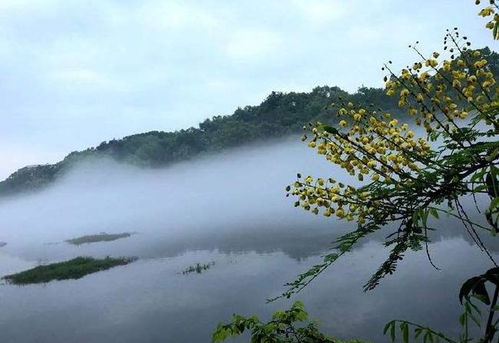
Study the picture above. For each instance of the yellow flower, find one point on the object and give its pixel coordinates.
(340, 213)
(486, 11)
(343, 123)
(431, 62)
(364, 195)
(480, 64)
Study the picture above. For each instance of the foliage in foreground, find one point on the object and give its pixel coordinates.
(413, 179)
(72, 269)
(282, 328)
(101, 237)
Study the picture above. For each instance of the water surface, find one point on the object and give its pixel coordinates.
(228, 209)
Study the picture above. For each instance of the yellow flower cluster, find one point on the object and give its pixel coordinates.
(332, 198)
(490, 12)
(369, 144)
(366, 143)
(434, 94)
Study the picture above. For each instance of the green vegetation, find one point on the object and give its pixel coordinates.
(412, 182)
(72, 269)
(198, 268)
(281, 329)
(279, 115)
(101, 237)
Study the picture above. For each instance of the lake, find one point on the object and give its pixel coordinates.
(228, 210)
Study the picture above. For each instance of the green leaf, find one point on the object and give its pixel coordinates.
(478, 175)
(415, 217)
(428, 337)
(480, 188)
(424, 218)
(417, 332)
(434, 212)
(492, 156)
(467, 287)
(492, 183)
(494, 204)
(405, 332)
(387, 326)
(329, 129)
(462, 319)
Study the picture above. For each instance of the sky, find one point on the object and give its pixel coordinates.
(76, 73)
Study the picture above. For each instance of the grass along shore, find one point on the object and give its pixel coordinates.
(72, 269)
(101, 237)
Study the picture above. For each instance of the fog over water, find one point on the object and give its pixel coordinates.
(228, 208)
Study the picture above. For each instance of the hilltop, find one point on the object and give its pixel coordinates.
(279, 115)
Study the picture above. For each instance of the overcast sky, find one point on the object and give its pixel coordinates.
(75, 73)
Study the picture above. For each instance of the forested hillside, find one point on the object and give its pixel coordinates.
(280, 114)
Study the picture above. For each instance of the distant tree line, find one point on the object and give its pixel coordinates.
(280, 114)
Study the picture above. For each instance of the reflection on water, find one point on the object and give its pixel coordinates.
(228, 209)
(151, 301)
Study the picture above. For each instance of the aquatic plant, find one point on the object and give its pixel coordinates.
(72, 269)
(198, 268)
(101, 237)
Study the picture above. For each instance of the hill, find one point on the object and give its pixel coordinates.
(280, 114)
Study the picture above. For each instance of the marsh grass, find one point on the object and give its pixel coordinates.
(101, 237)
(72, 269)
(198, 268)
